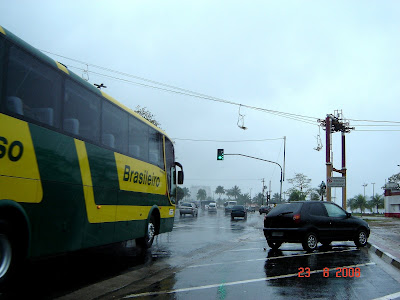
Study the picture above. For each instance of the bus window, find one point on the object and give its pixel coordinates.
(81, 112)
(138, 139)
(114, 127)
(33, 89)
(156, 156)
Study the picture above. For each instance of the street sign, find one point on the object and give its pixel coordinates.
(336, 181)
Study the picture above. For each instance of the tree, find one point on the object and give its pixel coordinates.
(296, 195)
(179, 193)
(201, 194)
(145, 113)
(358, 201)
(394, 178)
(186, 192)
(314, 196)
(276, 198)
(243, 199)
(259, 199)
(300, 184)
(377, 201)
(234, 192)
(220, 191)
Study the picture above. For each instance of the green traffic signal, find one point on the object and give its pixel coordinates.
(220, 154)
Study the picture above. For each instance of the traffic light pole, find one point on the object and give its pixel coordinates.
(280, 192)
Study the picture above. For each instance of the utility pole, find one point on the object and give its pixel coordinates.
(364, 185)
(335, 123)
(262, 202)
(373, 189)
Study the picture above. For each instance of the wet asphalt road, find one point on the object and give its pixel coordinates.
(211, 257)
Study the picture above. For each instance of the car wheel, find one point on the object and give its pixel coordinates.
(274, 245)
(310, 242)
(147, 240)
(361, 238)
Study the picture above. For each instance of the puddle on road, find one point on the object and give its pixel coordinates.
(159, 254)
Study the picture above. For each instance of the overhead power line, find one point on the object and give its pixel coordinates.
(178, 90)
(221, 141)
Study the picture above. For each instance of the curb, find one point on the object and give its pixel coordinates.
(386, 257)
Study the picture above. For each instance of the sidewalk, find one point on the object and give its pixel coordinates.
(384, 239)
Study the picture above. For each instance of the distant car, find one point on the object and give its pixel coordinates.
(238, 211)
(212, 208)
(310, 222)
(251, 209)
(264, 209)
(187, 208)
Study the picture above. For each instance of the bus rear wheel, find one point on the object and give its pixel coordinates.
(147, 240)
(5, 256)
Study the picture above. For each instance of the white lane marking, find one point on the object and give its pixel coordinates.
(209, 286)
(389, 297)
(271, 258)
(243, 249)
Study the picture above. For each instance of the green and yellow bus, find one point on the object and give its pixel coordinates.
(77, 168)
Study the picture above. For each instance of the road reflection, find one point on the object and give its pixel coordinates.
(57, 276)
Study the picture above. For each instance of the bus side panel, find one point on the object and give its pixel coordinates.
(129, 230)
(58, 220)
(166, 224)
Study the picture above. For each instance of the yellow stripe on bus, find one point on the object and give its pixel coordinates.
(110, 213)
(2, 30)
(62, 68)
(19, 171)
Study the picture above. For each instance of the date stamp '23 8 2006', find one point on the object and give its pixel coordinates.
(340, 272)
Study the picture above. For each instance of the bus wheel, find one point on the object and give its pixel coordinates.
(6, 258)
(147, 241)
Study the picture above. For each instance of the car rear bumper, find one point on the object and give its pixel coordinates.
(284, 234)
(238, 214)
(186, 211)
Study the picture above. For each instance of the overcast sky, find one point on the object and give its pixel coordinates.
(302, 57)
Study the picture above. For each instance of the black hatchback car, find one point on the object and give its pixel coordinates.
(310, 222)
(238, 211)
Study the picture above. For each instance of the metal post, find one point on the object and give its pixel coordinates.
(373, 189)
(284, 157)
(280, 194)
(344, 191)
(328, 157)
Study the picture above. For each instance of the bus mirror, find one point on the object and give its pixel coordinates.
(180, 173)
(180, 177)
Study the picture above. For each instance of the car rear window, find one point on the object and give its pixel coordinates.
(237, 207)
(285, 208)
(186, 204)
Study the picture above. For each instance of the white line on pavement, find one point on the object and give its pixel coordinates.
(389, 297)
(233, 283)
(243, 249)
(271, 258)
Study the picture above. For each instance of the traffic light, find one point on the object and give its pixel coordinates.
(220, 154)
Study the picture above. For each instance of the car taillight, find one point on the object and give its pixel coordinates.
(296, 218)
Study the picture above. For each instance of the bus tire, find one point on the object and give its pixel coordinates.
(146, 241)
(9, 258)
